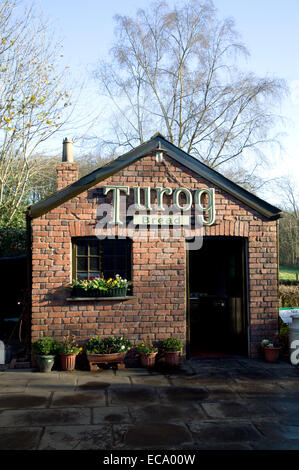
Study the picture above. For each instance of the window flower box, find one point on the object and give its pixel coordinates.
(116, 292)
(99, 287)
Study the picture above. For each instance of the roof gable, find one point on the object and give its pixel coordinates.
(156, 142)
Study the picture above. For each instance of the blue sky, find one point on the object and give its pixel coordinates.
(269, 29)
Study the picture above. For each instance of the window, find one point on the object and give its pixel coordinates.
(92, 257)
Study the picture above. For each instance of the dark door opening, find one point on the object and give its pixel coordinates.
(217, 311)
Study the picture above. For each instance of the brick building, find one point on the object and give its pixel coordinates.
(220, 297)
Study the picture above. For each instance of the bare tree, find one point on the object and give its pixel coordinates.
(33, 101)
(289, 224)
(43, 181)
(174, 70)
(249, 178)
(290, 195)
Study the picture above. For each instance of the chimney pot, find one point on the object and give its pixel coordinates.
(67, 171)
(67, 151)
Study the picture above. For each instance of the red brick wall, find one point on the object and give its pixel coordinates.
(67, 173)
(159, 270)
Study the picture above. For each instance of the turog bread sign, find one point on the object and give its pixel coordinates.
(175, 214)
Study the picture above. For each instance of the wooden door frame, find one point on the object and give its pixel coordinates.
(245, 288)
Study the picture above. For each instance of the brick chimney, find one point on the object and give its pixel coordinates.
(67, 171)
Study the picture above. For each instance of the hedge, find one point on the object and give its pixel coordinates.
(289, 296)
(288, 282)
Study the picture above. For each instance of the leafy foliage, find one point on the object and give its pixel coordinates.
(99, 283)
(172, 344)
(69, 345)
(12, 242)
(112, 344)
(146, 347)
(46, 346)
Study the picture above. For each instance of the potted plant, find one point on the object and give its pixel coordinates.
(95, 287)
(45, 350)
(271, 350)
(68, 351)
(147, 353)
(172, 348)
(100, 287)
(117, 287)
(111, 350)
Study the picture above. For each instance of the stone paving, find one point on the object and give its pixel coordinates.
(207, 404)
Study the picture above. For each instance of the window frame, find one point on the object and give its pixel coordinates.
(100, 256)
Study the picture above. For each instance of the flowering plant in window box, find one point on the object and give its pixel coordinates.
(111, 350)
(99, 287)
(117, 286)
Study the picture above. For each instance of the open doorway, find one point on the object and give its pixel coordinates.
(217, 303)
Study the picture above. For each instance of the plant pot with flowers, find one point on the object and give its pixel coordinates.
(147, 353)
(93, 287)
(117, 286)
(45, 350)
(172, 348)
(100, 287)
(271, 351)
(108, 351)
(68, 351)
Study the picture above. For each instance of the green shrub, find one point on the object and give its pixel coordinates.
(46, 346)
(110, 345)
(172, 344)
(12, 242)
(94, 346)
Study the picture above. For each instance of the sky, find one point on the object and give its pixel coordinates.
(268, 28)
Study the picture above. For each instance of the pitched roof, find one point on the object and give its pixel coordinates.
(156, 142)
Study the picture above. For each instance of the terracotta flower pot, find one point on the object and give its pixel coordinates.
(172, 358)
(68, 361)
(272, 354)
(148, 360)
(116, 359)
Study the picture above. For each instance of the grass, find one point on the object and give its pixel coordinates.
(287, 273)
